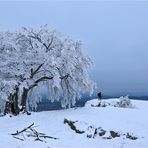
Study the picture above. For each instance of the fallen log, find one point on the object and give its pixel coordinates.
(72, 126)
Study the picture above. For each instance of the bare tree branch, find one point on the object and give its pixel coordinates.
(18, 132)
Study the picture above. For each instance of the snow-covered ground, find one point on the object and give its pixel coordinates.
(122, 120)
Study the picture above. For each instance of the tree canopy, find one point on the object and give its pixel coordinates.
(30, 58)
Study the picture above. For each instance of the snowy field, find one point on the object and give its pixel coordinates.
(86, 119)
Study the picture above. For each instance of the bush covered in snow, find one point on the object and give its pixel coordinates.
(124, 102)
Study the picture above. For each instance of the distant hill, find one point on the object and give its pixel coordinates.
(48, 105)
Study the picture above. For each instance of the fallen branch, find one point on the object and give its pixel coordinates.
(31, 132)
(72, 126)
(18, 138)
(19, 132)
(49, 137)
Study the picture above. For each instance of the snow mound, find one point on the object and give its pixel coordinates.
(123, 102)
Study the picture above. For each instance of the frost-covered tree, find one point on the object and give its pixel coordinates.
(30, 58)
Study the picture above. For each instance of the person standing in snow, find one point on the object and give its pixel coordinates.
(99, 96)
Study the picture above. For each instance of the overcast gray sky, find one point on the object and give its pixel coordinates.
(114, 33)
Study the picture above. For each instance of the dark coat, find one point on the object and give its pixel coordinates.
(99, 95)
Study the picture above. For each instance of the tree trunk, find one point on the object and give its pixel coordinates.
(12, 105)
(15, 102)
(24, 99)
(25, 92)
(8, 106)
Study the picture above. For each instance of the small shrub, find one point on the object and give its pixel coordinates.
(124, 102)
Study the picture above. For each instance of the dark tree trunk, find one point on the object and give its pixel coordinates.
(15, 102)
(12, 105)
(8, 106)
(26, 91)
(24, 99)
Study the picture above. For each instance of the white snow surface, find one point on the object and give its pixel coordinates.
(133, 120)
